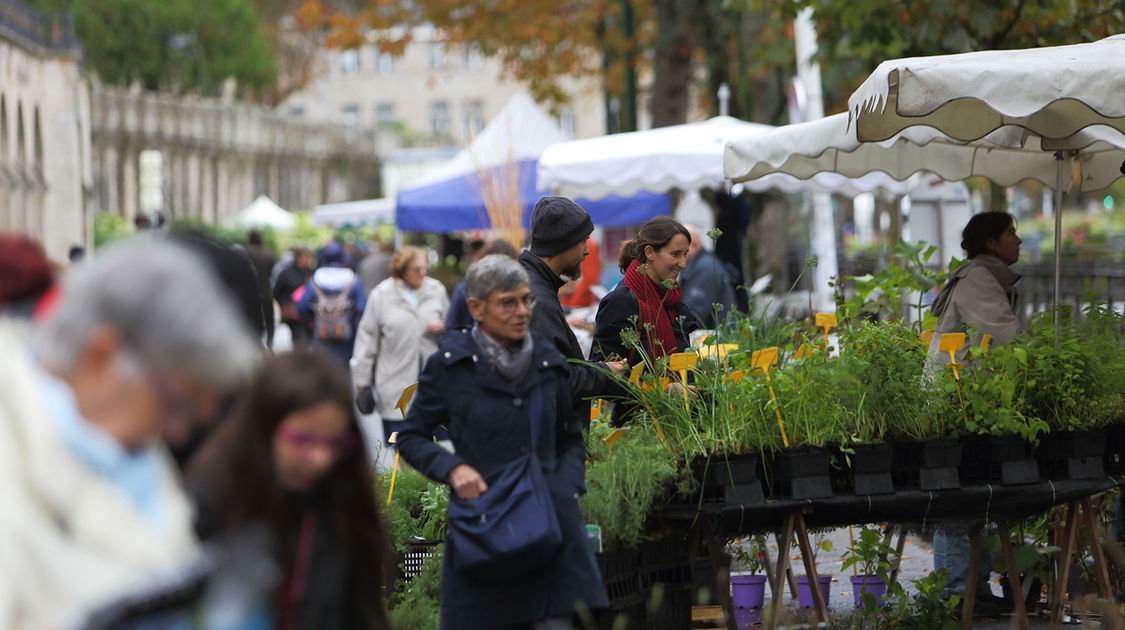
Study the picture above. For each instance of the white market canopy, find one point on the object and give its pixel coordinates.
(367, 211)
(1051, 92)
(263, 212)
(830, 146)
(686, 157)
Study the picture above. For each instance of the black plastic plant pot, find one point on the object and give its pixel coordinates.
(801, 473)
(927, 465)
(730, 479)
(1114, 455)
(865, 470)
(1002, 459)
(1071, 455)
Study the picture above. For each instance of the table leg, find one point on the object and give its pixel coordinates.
(783, 547)
(897, 564)
(1101, 570)
(1019, 613)
(971, 581)
(807, 557)
(776, 587)
(1064, 568)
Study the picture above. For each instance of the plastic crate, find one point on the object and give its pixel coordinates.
(665, 561)
(620, 574)
(418, 552)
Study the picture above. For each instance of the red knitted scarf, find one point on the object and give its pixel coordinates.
(658, 311)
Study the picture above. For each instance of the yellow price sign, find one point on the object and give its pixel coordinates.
(405, 397)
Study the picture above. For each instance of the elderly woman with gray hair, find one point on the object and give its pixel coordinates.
(502, 393)
(92, 502)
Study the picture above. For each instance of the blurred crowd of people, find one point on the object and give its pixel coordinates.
(168, 465)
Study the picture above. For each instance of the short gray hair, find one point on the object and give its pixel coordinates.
(167, 307)
(494, 273)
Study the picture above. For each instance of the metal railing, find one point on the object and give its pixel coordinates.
(53, 31)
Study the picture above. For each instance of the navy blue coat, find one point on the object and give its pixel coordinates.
(489, 425)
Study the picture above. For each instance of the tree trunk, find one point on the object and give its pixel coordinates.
(672, 57)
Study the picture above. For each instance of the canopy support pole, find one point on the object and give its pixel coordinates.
(1058, 237)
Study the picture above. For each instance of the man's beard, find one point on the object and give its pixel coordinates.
(573, 273)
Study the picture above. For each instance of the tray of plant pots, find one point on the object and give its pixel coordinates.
(927, 464)
(1003, 459)
(862, 468)
(730, 479)
(1071, 455)
(800, 473)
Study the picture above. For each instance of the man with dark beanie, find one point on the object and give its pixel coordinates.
(559, 228)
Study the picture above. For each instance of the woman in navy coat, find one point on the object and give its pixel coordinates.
(478, 385)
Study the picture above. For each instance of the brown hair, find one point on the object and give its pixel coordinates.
(236, 485)
(498, 246)
(657, 232)
(982, 228)
(402, 258)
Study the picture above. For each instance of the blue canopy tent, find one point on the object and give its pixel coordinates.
(456, 203)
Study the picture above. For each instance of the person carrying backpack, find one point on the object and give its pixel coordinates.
(332, 303)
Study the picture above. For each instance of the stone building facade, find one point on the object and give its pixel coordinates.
(44, 129)
(219, 155)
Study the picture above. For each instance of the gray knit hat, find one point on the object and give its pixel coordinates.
(557, 224)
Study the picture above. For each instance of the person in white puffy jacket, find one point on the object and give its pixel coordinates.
(140, 347)
(979, 298)
(400, 327)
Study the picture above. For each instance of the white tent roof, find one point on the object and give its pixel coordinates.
(829, 145)
(521, 131)
(355, 212)
(1052, 92)
(688, 157)
(264, 212)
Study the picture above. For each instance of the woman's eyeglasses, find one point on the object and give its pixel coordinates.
(509, 304)
(304, 440)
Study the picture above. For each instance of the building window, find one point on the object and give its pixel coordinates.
(439, 118)
(566, 123)
(349, 62)
(474, 60)
(385, 115)
(349, 114)
(474, 117)
(297, 111)
(439, 60)
(384, 62)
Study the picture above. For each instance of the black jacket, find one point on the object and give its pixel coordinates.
(617, 311)
(549, 321)
(489, 426)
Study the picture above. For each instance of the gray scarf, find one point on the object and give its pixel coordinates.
(511, 365)
(999, 269)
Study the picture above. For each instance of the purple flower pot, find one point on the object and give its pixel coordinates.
(748, 591)
(871, 584)
(747, 617)
(804, 594)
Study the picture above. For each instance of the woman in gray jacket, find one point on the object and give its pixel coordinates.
(979, 298)
(400, 327)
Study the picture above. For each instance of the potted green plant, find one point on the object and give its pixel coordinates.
(820, 543)
(871, 556)
(748, 580)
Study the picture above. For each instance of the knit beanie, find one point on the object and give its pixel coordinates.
(557, 224)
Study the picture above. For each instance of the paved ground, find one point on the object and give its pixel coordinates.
(917, 562)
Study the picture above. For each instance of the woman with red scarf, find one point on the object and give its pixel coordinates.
(648, 299)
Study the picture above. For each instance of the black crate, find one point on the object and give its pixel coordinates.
(729, 479)
(620, 574)
(927, 465)
(665, 561)
(1002, 459)
(627, 614)
(801, 473)
(669, 609)
(866, 470)
(418, 553)
(1071, 455)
